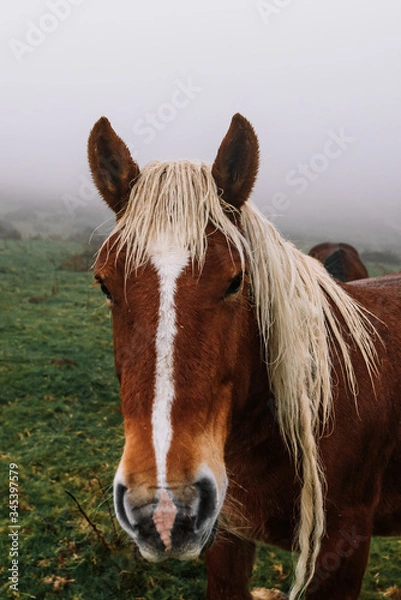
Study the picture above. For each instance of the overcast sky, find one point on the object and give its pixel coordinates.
(319, 80)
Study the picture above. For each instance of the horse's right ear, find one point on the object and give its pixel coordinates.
(237, 161)
(113, 169)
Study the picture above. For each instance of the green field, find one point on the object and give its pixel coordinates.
(61, 424)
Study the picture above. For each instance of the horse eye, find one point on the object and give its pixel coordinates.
(105, 291)
(235, 286)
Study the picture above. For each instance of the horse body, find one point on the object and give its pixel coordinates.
(362, 466)
(341, 260)
(233, 415)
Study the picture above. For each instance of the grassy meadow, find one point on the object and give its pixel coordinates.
(61, 425)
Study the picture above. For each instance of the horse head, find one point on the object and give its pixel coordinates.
(174, 271)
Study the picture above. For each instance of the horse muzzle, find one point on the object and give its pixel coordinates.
(177, 522)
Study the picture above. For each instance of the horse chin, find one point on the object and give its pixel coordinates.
(153, 556)
(185, 553)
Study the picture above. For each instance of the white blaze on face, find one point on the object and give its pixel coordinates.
(168, 263)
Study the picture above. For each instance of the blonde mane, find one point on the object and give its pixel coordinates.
(293, 296)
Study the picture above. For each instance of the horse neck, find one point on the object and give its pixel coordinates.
(255, 452)
(254, 414)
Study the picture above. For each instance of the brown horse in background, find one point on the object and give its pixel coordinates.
(261, 403)
(342, 261)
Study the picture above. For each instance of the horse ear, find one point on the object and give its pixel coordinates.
(113, 169)
(236, 164)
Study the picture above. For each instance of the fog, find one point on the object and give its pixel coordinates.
(319, 81)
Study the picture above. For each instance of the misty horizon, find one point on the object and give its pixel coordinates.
(319, 84)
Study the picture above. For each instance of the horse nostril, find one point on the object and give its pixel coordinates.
(207, 501)
(119, 493)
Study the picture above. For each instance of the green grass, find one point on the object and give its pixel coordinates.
(376, 269)
(62, 425)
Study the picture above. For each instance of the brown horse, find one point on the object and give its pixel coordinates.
(261, 399)
(342, 261)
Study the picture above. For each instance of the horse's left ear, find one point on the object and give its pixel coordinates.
(236, 164)
(113, 169)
